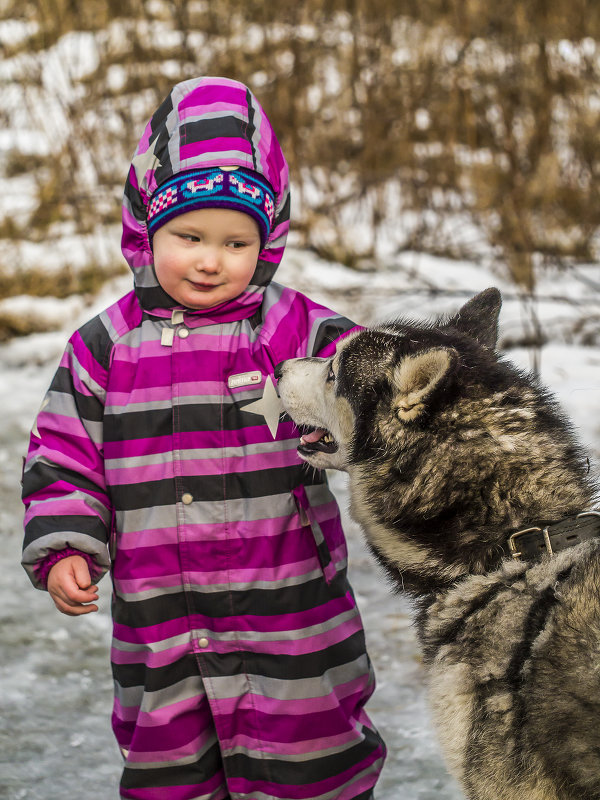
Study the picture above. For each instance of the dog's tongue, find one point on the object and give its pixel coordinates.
(313, 436)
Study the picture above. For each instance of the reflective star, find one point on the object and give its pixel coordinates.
(269, 406)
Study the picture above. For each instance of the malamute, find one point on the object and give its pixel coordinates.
(475, 496)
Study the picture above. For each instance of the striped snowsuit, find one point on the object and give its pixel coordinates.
(238, 653)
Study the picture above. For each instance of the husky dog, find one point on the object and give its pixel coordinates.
(471, 489)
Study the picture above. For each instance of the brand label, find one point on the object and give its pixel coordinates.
(244, 379)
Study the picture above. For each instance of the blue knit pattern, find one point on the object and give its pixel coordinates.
(235, 188)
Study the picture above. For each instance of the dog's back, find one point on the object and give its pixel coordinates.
(514, 662)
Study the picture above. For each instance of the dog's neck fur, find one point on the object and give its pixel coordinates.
(495, 465)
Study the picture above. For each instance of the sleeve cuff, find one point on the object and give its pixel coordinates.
(42, 570)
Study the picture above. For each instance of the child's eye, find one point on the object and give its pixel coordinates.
(238, 245)
(189, 237)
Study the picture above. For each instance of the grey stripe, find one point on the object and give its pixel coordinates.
(274, 636)
(85, 376)
(108, 324)
(40, 548)
(256, 136)
(249, 509)
(134, 696)
(313, 755)
(78, 495)
(206, 454)
(144, 277)
(224, 587)
(281, 689)
(152, 647)
(63, 404)
(175, 762)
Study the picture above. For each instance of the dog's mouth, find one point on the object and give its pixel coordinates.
(317, 440)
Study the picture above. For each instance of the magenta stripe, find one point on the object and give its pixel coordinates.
(87, 360)
(73, 449)
(62, 489)
(289, 724)
(211, 577)
(214, 93)
(184, 736)
(274, 712)
(60, 506)
(147, 584)
(151, 660)
(313, 745)
(214, 789)
(288, 546)
(206, 532)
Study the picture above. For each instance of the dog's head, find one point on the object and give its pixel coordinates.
(382, 381)
(447, 445)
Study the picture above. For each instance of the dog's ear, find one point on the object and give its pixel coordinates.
(417, 377)
(479, 317)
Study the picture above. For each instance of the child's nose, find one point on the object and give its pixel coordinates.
(208, 260)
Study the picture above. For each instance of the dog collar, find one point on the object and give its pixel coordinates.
(535, 541)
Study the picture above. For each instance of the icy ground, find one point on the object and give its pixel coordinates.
(55, 740)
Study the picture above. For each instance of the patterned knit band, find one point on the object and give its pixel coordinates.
(232, 187)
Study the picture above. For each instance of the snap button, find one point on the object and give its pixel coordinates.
(183, 333)
(187, 498)
(203, 642)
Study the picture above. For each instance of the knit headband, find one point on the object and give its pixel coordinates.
(228, 187)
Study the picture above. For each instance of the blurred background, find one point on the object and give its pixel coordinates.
(436, 147)
(461, 128)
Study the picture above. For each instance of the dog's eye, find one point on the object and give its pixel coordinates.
(330, 374)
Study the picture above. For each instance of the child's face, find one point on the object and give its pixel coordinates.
(207, 256)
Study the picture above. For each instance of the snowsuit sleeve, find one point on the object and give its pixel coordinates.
(68, 511)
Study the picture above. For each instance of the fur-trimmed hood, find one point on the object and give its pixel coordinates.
(203, 122)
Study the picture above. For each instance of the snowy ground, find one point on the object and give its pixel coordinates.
(55, 741)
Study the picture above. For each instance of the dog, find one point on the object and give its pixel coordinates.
(474, 495)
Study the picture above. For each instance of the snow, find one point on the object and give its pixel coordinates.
(55, 674)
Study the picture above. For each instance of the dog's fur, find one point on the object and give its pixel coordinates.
(449, 449)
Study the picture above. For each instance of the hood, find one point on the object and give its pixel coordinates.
(203, 122)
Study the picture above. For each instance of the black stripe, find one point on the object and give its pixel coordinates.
(250, 128)
(85, 524)
(266, 602)
(180, 775)
(534, 625)
(206, 129)
(191, 417)
(216, 488)
(329, 331)
(39, 476)
(297, 667)
(97, 339)
(88, 406)
(294, 773)
(452, 631)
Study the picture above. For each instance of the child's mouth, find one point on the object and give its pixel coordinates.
(203, 287)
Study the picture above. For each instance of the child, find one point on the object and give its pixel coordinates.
(238, 654)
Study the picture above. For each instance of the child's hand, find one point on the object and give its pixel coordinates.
(69, 586)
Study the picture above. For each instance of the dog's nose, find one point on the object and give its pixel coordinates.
(279, 370)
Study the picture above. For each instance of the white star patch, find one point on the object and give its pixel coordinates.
(269, 406)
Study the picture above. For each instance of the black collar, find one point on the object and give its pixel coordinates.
(541, 538)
